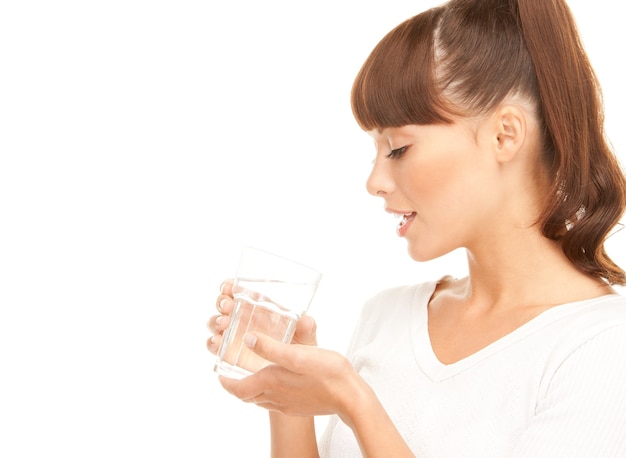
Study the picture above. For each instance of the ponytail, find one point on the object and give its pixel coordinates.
(464, 58)
(588, 195)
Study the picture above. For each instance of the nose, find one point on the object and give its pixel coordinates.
(379, 182)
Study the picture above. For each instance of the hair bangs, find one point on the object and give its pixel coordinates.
(396, 85)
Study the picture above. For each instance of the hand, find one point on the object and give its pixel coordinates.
(305, 333)
(304, 380)
(218, 323)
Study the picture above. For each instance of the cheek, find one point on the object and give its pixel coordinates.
(439, 182)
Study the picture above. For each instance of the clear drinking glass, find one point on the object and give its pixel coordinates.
(271, 293)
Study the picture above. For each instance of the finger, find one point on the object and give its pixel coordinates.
(213, 343)
(306, 331)
(226, 288)
(272, 350)
(218, 323)
(245, 389)
(224, 304)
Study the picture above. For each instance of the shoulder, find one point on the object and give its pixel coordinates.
(595, 316)
(582, 385)
(384, 312)
(588, 335)
(402, 296)
(576, 323)
(392, 305)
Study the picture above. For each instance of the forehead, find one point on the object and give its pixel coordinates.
(397, 136)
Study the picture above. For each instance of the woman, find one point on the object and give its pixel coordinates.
(488, 127)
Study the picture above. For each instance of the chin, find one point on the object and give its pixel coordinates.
(420, 254)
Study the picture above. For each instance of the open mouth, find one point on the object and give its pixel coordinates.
(405, 220)
(406, 217)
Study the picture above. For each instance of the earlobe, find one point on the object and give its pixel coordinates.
(510, 132)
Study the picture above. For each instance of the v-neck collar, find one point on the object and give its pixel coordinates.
(436, 370)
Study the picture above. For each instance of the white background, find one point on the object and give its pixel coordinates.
(142, 145)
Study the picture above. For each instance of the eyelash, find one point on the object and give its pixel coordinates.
(398, 152)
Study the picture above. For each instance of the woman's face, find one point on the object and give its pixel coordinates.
(443, 182)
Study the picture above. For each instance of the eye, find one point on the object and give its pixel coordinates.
(398, 152)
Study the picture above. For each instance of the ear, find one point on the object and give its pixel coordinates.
(510, 132)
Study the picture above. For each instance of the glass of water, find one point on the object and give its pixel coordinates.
(271, 293)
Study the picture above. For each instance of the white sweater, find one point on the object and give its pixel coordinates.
(555, 387)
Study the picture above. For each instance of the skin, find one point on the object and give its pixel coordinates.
(478, 184)
(475, 184)
(288, 433)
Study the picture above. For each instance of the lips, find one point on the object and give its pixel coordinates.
(406, 217)
(405, 221)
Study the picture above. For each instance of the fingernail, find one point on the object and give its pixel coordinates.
(220, 306)
(218, 321)
(222, 287)
(250, 340)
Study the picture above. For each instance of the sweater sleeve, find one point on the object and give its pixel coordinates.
(583, 410)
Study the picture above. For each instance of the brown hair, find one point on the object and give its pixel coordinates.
(464, 58)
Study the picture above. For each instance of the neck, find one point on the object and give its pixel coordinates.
(528, 269)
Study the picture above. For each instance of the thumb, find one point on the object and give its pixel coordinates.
(270, 349)
(305, 331)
